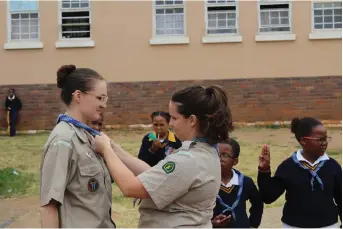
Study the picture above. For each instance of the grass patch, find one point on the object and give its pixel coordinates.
(14, 182)
(124, 214)
(335, 153)
(23, 153)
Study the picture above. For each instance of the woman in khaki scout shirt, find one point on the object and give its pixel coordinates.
(181, 190)
(75, 183)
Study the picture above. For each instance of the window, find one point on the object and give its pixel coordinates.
(327, 16)
(169, 18)
(221, 17)
(75, 19)
(23, 21)
(274, 17)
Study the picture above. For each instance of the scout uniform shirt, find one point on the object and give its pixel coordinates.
(75, 176)
(182, 188)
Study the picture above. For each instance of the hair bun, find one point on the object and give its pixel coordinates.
(210, 90)
(62, 74)
(295, 124)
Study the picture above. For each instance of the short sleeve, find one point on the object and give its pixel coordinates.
(55, 172)
(170, 179)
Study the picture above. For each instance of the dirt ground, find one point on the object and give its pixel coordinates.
(24, 212)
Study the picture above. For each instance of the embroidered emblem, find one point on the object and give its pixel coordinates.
(93, 185)
(168, 167)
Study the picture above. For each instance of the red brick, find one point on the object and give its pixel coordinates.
(251, 100)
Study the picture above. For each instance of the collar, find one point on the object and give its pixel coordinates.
(300, 157)
(80, 133)
(234, 180)
(11, 98)
(171, 136)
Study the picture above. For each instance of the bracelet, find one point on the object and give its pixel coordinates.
(151, 151)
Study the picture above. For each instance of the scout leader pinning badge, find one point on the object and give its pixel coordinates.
(93, 185)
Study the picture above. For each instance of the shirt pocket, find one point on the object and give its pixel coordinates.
(91, 179)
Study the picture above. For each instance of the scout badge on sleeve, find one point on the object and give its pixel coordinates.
(169, 167)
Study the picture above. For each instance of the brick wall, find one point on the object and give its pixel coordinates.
(275, 99)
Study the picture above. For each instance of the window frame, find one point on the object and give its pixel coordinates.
(236, 4)
(155, 7)
(314, 30)
(9, 23)
(271, 2)
(61, 10)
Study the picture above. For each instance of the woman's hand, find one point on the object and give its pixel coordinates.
(102, 142)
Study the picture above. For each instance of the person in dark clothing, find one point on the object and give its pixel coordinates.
(236, 189)
(13, 106)
(312, 180)
(160, 143)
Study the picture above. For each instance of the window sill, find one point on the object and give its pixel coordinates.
(23, 45)
(322, 35)
(74, 43)
(222, 39)
(275, 37)
(169, 40)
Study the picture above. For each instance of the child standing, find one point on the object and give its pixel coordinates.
(312, 180)
(235, 190)
(160, 143)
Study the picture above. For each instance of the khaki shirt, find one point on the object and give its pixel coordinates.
(75, 176)
(183, 188)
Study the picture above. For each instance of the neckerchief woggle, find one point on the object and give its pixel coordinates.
(228, 208)
(313, 173)
(68, 119)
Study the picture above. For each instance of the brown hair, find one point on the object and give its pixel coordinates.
(210, 106)
(70, 79)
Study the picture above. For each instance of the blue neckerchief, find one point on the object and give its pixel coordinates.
(228, 208)
(313, 173)
(68, 119)
(206, 141)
